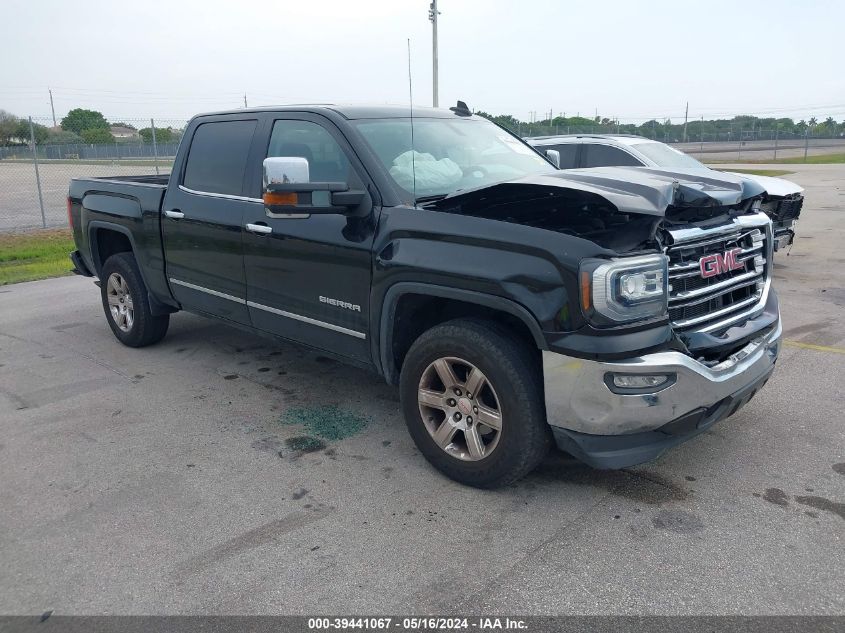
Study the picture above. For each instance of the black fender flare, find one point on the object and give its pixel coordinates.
(157, 308)
(96, 225)
(384, 341)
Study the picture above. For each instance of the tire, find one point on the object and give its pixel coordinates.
(511, 386)
(123, 288)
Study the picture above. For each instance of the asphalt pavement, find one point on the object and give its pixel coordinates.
(191, 477)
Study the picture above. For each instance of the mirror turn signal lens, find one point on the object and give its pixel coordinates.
(272, 198)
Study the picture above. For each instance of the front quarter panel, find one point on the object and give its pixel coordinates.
(534, 268)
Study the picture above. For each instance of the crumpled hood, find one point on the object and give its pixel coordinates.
(777, 187)
(642, 190)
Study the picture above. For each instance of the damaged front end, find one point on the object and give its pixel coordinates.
(691, 250)
(784, 212)
(782, 202)
(708, 226)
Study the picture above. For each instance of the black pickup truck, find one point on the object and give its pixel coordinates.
(615, 312)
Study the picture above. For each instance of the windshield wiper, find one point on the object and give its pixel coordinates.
(432, 198)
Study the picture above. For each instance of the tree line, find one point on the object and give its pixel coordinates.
(91, 127)
(744, 127)
(79, 126)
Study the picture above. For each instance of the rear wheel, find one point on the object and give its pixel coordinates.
(127, 305)
(473, 403)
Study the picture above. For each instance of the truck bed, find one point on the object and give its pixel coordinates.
(129, 205)
(140, 194)
(145, 179)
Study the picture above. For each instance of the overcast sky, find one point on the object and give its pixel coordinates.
(629, 59)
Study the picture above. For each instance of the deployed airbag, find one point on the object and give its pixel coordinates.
(430, 174)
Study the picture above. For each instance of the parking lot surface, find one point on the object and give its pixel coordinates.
(217, 472)
(19, 207)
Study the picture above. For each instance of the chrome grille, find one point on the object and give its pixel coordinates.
(707, 304)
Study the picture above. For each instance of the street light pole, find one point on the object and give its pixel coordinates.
(432, 15)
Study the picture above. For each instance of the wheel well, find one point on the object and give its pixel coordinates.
(416, 313)
(109, 242)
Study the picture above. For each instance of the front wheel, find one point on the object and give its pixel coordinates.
(127, 305)
(473, 402)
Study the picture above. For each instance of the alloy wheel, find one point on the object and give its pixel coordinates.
(120, 302)
(460, 408)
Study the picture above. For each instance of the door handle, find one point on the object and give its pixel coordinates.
(175, 214)
(259, 229)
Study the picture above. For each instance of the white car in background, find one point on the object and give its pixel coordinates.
(782, 203)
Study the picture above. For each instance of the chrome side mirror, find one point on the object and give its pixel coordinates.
(554, 156)
(280, 170)
(288, 191)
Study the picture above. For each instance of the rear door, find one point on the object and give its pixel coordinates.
(202, 219)
(308, 277)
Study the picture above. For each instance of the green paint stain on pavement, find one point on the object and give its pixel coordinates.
(328, 422)
(305, 444)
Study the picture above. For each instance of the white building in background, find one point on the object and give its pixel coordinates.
(120, 131)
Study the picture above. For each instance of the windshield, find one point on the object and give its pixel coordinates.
(665, 156)
(449, 154)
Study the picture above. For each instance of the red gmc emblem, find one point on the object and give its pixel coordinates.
(712, 265)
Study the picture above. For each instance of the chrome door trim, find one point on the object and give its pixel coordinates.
(225, 196)
(222, 295)
(304, 319)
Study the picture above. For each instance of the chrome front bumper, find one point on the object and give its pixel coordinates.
(579, 398)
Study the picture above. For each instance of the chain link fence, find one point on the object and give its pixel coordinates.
(738, 144)
(738, 134)
(38, 160)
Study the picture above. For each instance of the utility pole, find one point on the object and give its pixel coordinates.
(432, 15)
(245, 105)
(702, 134)
(686, 116)
(38, 175)
(52, 107)
(806, 141)
(777, 131)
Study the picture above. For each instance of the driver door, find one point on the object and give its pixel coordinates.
(308, 276)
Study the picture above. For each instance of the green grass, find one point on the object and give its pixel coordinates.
(761, 172)
(819, 159)
(35, 255)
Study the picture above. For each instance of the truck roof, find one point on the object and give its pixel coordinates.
(623, 139)
(352, 111)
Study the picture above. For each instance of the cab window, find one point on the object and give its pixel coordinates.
(568, 154)
(595, 155)
(327, 161)
(217, 157)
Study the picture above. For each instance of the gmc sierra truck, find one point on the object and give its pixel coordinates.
(614, 312)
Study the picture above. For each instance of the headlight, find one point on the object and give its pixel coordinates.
(625, 289)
